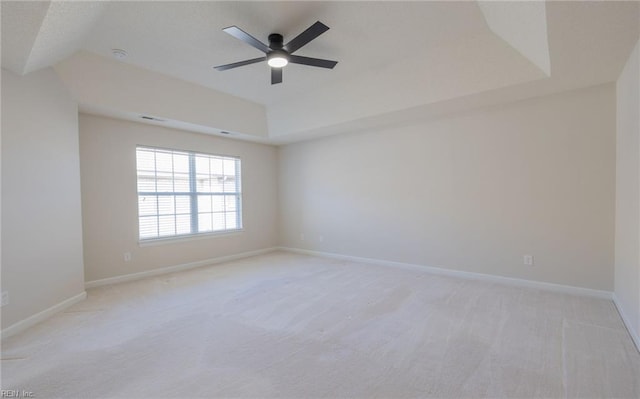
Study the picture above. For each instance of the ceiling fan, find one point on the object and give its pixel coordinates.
(278, 54)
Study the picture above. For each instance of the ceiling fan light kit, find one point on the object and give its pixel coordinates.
(277, 59)
(278, 55)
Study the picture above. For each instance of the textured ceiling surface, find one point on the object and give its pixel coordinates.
(392, 55)
(185, 39)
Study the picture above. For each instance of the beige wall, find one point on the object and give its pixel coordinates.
(627, 246)
(474, 191)
(41, 216)
(109, 198)
(122, 89)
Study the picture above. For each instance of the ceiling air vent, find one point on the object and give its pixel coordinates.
(151, 118)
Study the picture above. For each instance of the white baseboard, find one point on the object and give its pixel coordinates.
(41, 316)
(176, 268)
(627, 323)
(567, 289)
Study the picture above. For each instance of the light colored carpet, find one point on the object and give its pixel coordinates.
(285, 325)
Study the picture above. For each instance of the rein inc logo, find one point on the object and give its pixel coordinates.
(16, 393)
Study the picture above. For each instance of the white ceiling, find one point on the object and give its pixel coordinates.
(392, 55)
(185, 39)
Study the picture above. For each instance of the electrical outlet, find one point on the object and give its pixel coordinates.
(127, 256)
(528, 260)
(321, 238)
(5, 298)
(301, 236)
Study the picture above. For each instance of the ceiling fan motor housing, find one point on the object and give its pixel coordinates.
(276, 41)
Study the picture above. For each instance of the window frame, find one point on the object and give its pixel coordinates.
(192, 194)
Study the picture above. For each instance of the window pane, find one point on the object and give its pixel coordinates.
(216, 166)
(204, 222)
(203, 183)
(166, 226)
(165, 182)
(181, 182)
(238, 176)
(148, 227)
(230, 203)
(183, 204)
(181, 163)
(230, 167)
(166, 205)
(202, 165)
(183, 224)
(147, 205)
(230, 184)
(164, 162)
(218, 221)
(146, 160)
(216, 184)
(231, 219)
(204, 203)
(146, 183)
(218, 203)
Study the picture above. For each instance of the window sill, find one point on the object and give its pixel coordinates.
(193, 237)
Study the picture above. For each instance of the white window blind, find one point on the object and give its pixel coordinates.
(183, 193)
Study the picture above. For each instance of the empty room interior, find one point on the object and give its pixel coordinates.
(320, 199)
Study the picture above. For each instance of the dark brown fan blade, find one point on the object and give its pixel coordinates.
(247, 38)
(276, 75)
(316, 62)
(305, 37)
(239, 64)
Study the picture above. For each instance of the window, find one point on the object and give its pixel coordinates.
(184, 193)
